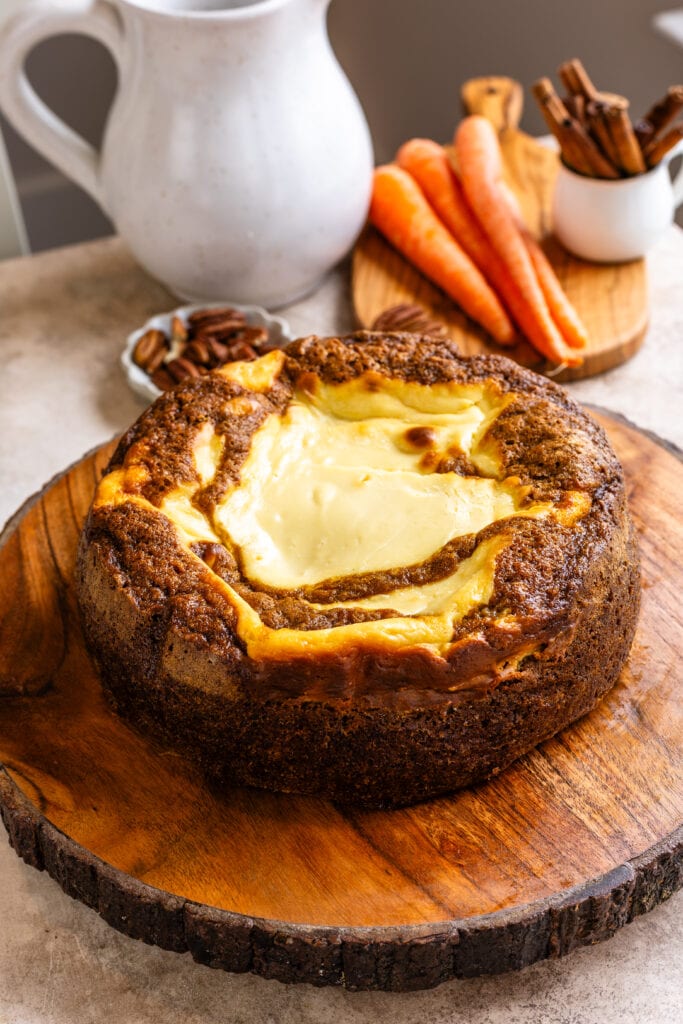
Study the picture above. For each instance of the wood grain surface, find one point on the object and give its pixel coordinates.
(561, 849)
(611, 298)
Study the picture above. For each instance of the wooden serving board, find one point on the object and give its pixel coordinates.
(563, 848)
(611, 298)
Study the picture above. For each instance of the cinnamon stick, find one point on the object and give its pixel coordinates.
(645, 133)
(576, 80)
(666, 110)
(629, 154)
(596, 124)
(576, 106)
(659, 147)
(559, 122)
(578, 149)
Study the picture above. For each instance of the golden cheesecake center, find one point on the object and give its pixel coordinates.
(337, 486)
(354, 478)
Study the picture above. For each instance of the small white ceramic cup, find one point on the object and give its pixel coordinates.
(615, 221)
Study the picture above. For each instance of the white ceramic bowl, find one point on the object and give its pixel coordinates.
(278, 330)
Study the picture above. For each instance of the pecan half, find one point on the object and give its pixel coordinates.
(213, 320)
(150, 350)
(163, 379)
(197, 351)
(218, 352)
(181, 368)
(408, 317)
(241, 350)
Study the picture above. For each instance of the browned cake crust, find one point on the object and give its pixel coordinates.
(363, 724)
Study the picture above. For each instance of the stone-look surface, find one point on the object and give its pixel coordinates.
(64, 318)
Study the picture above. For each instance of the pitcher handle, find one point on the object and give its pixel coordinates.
(32, 118)
(677, 183)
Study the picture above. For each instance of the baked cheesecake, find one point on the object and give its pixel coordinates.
(361, 567)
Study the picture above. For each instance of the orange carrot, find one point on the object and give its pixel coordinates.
(563, 313)
(561, 309)
(480, 164)
(400, 211)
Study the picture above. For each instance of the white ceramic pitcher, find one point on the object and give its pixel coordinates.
(236, 161)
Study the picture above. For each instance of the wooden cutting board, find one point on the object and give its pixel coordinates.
(560, 850)
(611, 298)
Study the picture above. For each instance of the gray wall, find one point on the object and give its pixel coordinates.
(406, 59)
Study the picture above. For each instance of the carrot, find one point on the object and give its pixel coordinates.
(427, 162)
(563, 313)
(400, 211)
(561, 309)
(480, 164)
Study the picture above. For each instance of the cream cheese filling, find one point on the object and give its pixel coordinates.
(343, 483)
(470, 587)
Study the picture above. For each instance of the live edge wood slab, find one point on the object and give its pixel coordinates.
(611, 299)
(561, 850)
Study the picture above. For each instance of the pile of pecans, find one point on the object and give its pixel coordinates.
(209, 339)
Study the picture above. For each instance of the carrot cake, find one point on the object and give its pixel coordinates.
(362, 567)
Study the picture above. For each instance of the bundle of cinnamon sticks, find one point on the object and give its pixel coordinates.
(596, 135)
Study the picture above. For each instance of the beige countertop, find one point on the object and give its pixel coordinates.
(64, 316)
